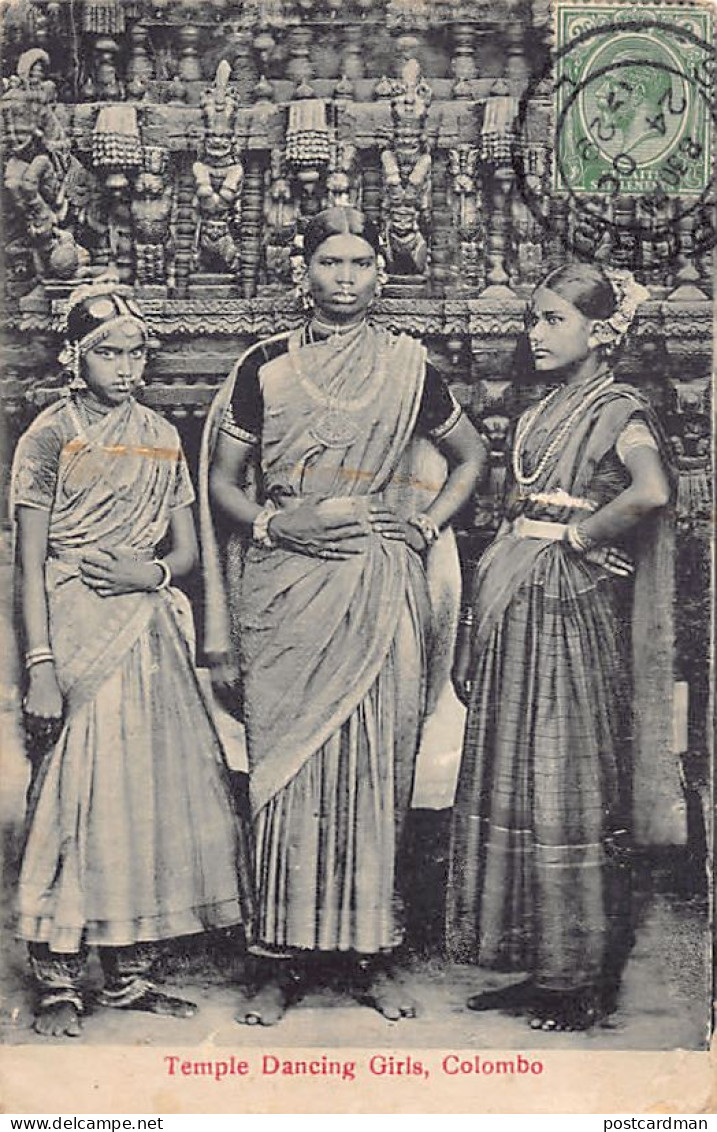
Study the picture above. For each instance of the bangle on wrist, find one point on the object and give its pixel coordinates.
(166, 580)
(428, 528)
(260, 527)
(41, 655)
(467, 617)
(576, 538)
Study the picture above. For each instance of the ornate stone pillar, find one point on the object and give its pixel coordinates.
(463, 64)
(352, 64)
(251, 224)
(190, 69)
(105, 68)
(497, 242)
(139, 65)
(185, 227)
(299, 66)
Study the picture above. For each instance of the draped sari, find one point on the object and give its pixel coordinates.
(561, 755)
(333, 653)
(130, 835)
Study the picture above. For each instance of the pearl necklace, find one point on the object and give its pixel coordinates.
(527, 422)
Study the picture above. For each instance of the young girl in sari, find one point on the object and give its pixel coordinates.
(545, 787)
(131, 836)
(333, 607)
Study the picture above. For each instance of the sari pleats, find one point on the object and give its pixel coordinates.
(539, 797)
(131, 834)
(326, 844)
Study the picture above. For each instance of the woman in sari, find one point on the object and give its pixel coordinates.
(546, 784)
(332, 609)
(131, 837)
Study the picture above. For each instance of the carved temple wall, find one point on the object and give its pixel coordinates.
(183, 143)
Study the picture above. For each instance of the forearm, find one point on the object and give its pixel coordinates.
(233, 503)
(180, 561)
(31, 554)
(184, 553)
(619, 516)
(456, 492)
(34, 612)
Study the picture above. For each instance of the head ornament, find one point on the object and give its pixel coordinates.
(94, 310)
(629, 294)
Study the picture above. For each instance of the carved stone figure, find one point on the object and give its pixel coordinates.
(218, 177)
(37, 160)
(406, 167)
(343, 182)
(465, 197)
(151, 210)
(280, 214)
(217, 250)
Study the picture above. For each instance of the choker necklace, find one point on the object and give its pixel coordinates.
(333, 329)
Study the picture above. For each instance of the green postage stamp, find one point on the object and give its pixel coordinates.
(632, 100)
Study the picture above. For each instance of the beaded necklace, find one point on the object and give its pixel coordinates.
(527, 422)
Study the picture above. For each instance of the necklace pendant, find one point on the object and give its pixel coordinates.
(334, 429)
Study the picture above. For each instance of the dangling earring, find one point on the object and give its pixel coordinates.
(381, 276)
(300, 276)
(305, 297)
(77, 382)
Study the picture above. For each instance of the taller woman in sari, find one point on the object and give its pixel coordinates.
(332, 608)
(131, 835)
(550, 787)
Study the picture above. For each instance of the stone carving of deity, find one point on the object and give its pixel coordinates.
(218, 177)
(343, 182)
(281, 210)
(406, 165)
(36, 164)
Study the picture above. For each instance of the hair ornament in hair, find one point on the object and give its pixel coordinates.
(629, 294)
(106, 284)
(88, 319)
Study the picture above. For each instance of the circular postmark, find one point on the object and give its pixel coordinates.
(634, 125)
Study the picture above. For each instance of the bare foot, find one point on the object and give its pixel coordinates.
(514, 998)
(565, 1012)
(267, 1005)
(387, 995)
(62, 1019)
(155, 1002)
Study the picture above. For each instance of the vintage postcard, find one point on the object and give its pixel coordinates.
(357, 556)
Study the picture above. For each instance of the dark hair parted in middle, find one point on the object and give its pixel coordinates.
(338, 221)
(585, 286)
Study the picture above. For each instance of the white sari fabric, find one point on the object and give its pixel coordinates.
(131, 835)
(335, 654)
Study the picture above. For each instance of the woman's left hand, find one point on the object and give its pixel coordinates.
(391, 526)
(612, 559)
(109, 573)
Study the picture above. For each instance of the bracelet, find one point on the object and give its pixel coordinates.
(260, 527)
(576, 537)
(428, 528)
(166, 580)
(43, 654)
(467, 617)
